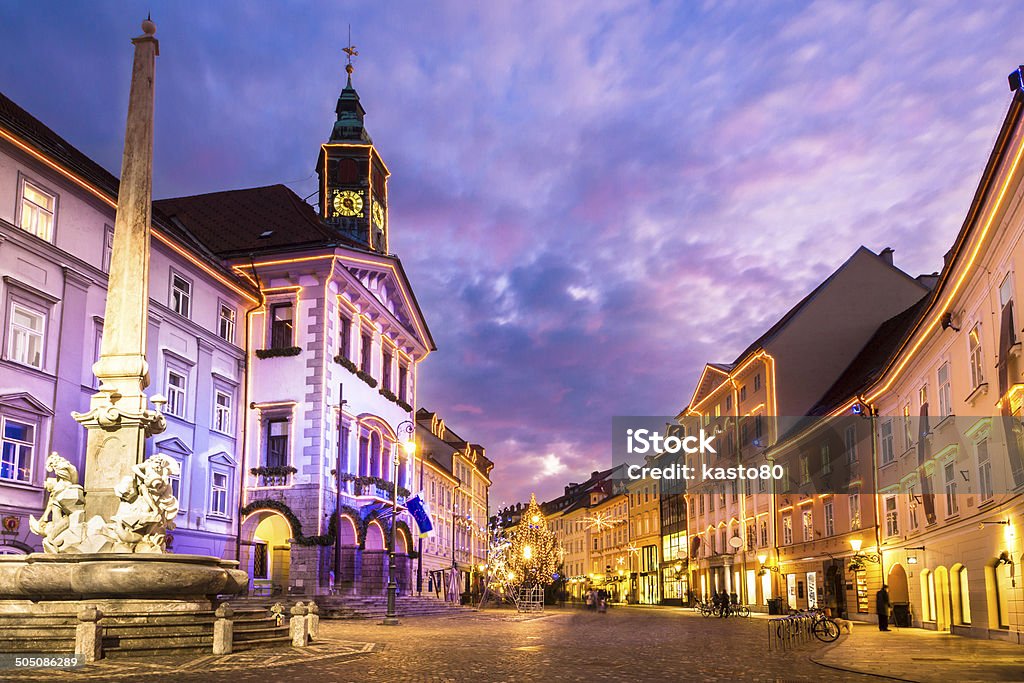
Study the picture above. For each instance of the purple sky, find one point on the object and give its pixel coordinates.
(592, 198)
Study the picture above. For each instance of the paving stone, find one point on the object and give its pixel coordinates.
(625, 644)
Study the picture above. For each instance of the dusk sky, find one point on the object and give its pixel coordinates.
(592, 199)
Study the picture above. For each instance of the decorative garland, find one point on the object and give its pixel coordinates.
(277, 471)
(293, 521)
(366, 377)
(362, 481)
(275, 353)
(344, 362)
(390, 395)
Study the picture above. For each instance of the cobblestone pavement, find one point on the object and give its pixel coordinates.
(918, 655)
(495, 646)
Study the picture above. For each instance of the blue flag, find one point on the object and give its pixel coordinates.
(418, 509)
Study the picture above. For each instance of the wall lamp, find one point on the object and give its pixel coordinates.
(860, 558)
(765, 567)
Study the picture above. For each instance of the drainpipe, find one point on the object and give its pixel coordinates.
(873, 412)
(245, 407)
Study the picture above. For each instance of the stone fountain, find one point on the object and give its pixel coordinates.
(105, 542)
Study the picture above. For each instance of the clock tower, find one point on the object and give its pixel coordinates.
(353, 177)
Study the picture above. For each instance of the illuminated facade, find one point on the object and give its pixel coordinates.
(454, 479)
(56, 218)
(747, 403)
(286, 339)
(644, 551)
(948, 407)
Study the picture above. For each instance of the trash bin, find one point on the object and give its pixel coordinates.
(775, 606)
(901, 614)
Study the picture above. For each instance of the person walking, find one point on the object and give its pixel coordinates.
(882, 605)
(723, 602)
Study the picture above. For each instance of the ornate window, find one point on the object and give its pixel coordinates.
(25, 340)
(176, 392)
(38, 209)
(219, 494)
(181, 295)
(977, 360)
(276, 454)
(282, 326)
(222, 411)
(18, 441)
(226, 323)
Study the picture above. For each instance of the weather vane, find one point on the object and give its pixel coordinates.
(351, 51)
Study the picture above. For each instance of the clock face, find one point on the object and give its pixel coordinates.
(378, 215)
(348, 203)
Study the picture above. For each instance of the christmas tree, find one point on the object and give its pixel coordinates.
(532, 554)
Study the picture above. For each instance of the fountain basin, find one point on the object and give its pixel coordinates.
(44, 576)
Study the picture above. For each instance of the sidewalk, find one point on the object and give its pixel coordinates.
(913, 654)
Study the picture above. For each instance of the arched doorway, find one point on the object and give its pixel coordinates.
(373, 577)
(403, 563)
(344, 578)
(899, 595)
(266, 552)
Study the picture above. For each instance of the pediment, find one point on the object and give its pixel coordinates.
(222, 458)
(25, 402)
(173, 445)
(384, 281)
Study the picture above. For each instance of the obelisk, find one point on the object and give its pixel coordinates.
(118, 420)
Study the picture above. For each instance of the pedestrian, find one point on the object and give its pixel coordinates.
(602, 601)
(882, 606)
(590, 599)
(723, 601)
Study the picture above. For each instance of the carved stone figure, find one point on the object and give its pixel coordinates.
(60, 523)
(148, 507)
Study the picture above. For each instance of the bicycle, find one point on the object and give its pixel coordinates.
(739, 611)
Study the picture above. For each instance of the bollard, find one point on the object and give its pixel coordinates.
(313, 620)
(297, 626)
(89, 634)
(223, 630)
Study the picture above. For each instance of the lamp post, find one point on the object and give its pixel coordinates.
(409, 445)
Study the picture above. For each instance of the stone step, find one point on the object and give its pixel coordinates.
(158, 641)
(38, 643)
(140, 652)
(146, 630)
(266, 641)
(259, 634)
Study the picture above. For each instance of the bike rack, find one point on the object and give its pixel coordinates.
(791, 631)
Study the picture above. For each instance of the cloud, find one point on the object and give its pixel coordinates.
(592, 199)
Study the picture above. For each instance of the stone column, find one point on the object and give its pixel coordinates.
(297, 627)
(223, 630)
(89, 634)
(118, 420)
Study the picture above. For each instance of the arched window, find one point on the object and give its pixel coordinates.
(927, 596)
(961, 596)
(375, 455)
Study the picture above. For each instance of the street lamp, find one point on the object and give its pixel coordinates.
(409, 446)
(859, 558)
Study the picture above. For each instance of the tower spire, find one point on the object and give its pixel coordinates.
(350, 51)
(349, 126)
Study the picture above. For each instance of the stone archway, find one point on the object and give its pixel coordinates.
(373, 575)
(403, 563)
(348, 538)
(266, 551)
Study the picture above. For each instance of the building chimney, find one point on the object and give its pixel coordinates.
(886, 255)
